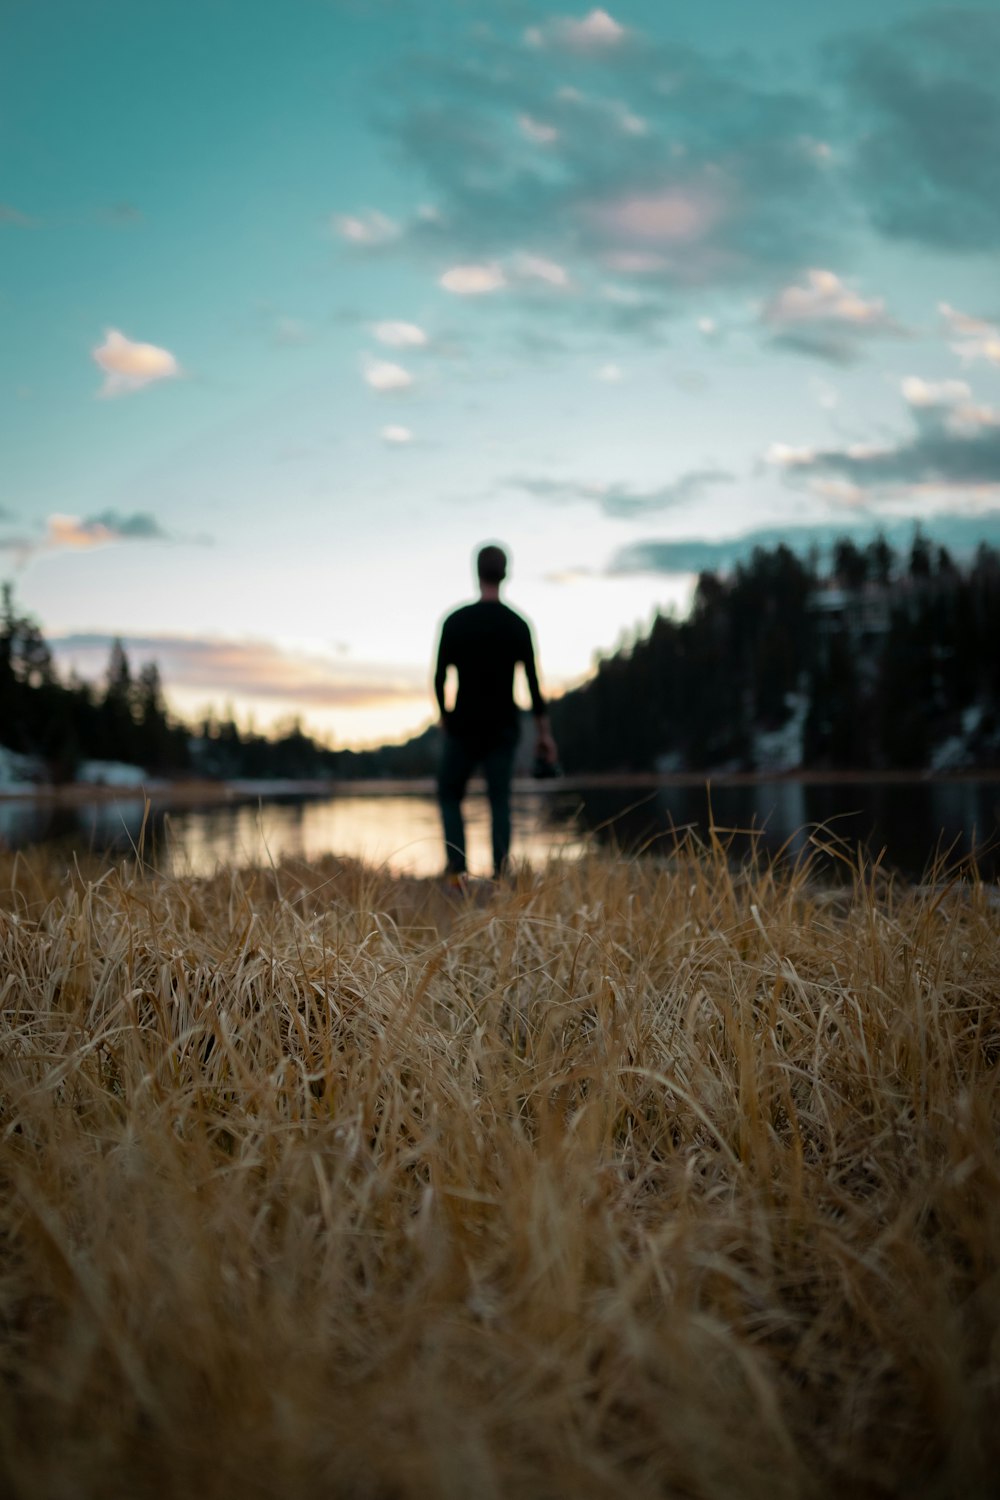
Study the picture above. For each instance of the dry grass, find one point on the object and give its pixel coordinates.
(636, 1179)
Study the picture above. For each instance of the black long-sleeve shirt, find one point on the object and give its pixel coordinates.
(485, 641)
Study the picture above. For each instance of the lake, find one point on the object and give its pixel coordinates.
(904, 820)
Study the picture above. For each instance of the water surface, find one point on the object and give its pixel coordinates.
(902, 824)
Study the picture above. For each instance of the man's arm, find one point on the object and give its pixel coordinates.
(441, 670)
(528, 657)
(545, 745)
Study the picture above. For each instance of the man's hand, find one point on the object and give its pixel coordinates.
(545, 745)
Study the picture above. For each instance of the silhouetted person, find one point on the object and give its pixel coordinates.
(484, 642)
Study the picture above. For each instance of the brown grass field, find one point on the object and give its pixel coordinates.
(641, 1179)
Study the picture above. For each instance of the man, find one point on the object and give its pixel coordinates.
(484, 642)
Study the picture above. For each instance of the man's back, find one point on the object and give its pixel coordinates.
(484, 642)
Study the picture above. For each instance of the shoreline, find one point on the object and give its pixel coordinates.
(203, 793)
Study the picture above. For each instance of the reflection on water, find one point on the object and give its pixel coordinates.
(401, 832)
(905, 823)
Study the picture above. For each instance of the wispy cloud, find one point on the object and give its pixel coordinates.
(370, 227)
(619, 500)
(109, 526)
(129, 366)
(225, 669)
(658, 162)
(538, 130)
(396, 436)
(972, 338)
(66, 532)
(539, 268)
(955, 447)
(684, 555)
(590, 145)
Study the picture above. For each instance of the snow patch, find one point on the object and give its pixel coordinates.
(781, 749)
(18, 771)
(111, 773)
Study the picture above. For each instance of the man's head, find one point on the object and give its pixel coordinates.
(491, 565)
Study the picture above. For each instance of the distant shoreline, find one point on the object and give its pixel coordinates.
(203, 793)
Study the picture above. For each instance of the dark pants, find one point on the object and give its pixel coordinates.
(459, 758)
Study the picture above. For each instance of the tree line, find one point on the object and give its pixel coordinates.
(123, 717)
(880, 660)
(884, 660)
(59, 724)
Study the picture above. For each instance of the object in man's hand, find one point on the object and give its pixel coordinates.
(543, 769)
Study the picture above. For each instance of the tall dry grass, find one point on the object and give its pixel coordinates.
(644, 1179)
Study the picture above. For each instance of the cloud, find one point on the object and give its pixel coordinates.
(139, 526)
(956, 446)
(973, 338)
(396, 437)
(622, 501)
(65, 532)
(400, 335)
(930, 393)
(925, 98)
(367, 228)
(687, 170)
(224, 669)
(960, 533)
(834, 345)
(610, 374)
(826, 318)
(537, 268)
(680, 168)
(101, 530)
(383, 375)
(594, 32)
(676, 215)
(473, 281)
(537, 130)
(129, 366)
(825, 298)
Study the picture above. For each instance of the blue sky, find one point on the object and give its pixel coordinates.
(301, 302)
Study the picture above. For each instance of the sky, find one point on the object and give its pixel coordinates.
(301, 302)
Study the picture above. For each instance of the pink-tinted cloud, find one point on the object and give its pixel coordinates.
(675, 216)
(224, 669)
(72, 533)
(129, 366)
